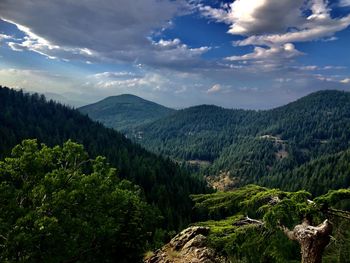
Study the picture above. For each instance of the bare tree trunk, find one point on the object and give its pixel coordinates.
(312, 239)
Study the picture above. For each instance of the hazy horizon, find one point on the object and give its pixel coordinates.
(76, 104)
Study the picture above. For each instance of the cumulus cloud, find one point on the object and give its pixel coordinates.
(168, 43)
(345, 81)
(287, 51)
(273, 27)
(174, 53)
(317, 28)
(277, 21)
(248, 17)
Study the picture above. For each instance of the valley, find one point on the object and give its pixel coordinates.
(253, 146)
(232, 177)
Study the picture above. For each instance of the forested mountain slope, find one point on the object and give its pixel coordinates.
(317, 175)
(199, 132)
(165, 185)
(125, 112)
(252, 144)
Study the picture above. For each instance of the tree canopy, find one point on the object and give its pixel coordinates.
(58, 205)
(254, 224)
(261, 147)
(25, 116)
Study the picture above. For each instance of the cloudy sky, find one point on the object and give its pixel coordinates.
(238, 54)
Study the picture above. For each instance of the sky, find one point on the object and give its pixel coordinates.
(251, 54)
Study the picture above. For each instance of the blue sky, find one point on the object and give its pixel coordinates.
(254, 54)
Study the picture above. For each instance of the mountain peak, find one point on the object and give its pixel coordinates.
(126, 111)
(126, 95)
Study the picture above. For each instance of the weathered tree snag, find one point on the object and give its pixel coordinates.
(312, 239)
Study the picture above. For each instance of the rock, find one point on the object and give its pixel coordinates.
(186, 235)
(189, 246)
(197, 241)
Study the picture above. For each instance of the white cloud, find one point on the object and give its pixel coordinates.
(44, 47)
(247, 17)
(3, 37)
(314, 68)
(287, 51)
(123, 81)
(345, 81)
(344, 3)
(277, 21)
(273, 27)
(283, 80)
(168, 43)
(309, 68)
(333, 67)
(177, 50)
(117, 74)
(214, 89)
(314, 30)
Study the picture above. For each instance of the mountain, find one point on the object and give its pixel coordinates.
(164, 184)
(246, 145)
(125, 112)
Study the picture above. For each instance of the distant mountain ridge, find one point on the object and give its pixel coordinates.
(252, 146)
(125, 112)
(249, 145)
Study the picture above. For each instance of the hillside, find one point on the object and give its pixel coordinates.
(125, 112)
(318, 175)
(164, 184)
(249, 145)
(199, 132)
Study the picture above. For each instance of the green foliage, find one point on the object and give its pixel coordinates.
(297, 146)
(57, 205)
(222, 204)
(319, 175)
(264, 241)
(339, 248)
(164, 184)
(250, 243)
(333, 197)
(125, 112)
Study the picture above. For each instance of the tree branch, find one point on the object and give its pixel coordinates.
(287, 232)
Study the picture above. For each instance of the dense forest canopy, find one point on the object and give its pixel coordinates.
(58, 205)
(259, 146)
(62, 204)
(164, 184)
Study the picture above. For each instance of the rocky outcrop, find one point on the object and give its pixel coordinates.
(187, 247)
